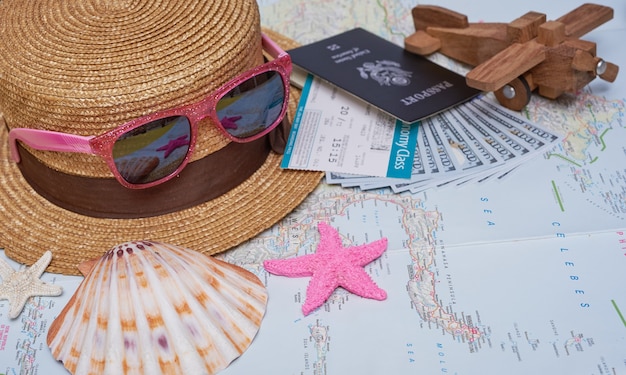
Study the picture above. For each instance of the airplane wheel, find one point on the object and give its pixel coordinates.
(515, 94)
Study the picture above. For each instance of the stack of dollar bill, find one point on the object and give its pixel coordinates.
(474, 141)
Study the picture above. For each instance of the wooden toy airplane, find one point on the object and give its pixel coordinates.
(513, 59)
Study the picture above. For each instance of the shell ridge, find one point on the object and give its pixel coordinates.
(59, 344)
(165, 330)
(233, 279)
(82, 332)
(60, 327)
(232, 295)
(145, 358)
(229, 302)
(158, 336)
(237, 299)
(113, 354)
(237, 276)
(203, 318)
(199, 280)
(63, 327)
(101, 350)
(187, 307)
(130, 356)
(87, 341)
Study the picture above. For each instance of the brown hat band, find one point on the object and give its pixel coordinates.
(200, 181)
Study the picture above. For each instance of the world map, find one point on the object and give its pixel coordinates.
(479, 280)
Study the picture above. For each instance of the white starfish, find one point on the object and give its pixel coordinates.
(19, 286)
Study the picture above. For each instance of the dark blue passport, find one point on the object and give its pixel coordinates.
(407, 86)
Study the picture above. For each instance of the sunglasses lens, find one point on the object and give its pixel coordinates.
(152, 151)
(254, 106)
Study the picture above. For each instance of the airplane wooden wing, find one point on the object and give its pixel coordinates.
(506, 65)
(425, 16)
(421, 43)
(585, 18)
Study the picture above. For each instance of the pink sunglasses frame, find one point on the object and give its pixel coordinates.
(102, 145)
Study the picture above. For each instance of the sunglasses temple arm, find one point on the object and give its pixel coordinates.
(272, 47)
(48, 141)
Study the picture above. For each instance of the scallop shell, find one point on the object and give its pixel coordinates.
(153, 308)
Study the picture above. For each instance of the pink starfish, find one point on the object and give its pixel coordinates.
(332, 266)
(230, 122)
(173, 145)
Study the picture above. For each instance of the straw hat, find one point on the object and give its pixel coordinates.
(85, 67)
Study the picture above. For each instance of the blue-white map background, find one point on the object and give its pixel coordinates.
(522, 255)
(481, 279)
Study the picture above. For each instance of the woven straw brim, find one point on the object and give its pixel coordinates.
(30, 225)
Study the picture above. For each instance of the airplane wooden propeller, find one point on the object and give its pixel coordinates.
(514, 59)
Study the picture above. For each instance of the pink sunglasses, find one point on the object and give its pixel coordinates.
(150, 150)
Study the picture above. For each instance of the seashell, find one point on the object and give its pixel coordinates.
(153, 308)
